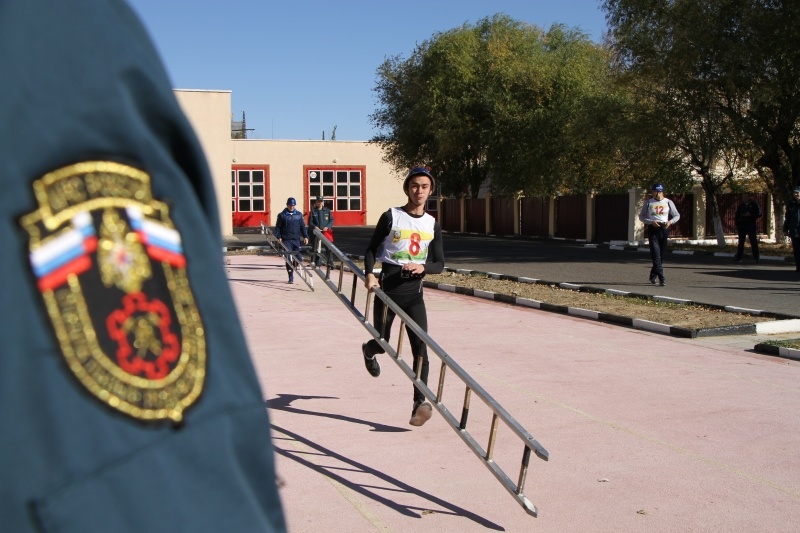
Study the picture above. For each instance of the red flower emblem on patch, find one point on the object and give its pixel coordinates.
(146, 347)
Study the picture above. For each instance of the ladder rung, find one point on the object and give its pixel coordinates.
(465, 409)
(492, 437)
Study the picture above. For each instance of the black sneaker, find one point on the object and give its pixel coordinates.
(653, 279)
(663, 283)
(421, 413)
(371, 362)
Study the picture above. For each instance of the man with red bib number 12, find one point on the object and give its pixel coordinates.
(658, 214)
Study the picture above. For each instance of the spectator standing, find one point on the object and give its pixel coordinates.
(408, 243)
(791, 225)
(322, 218)
(658, 214)
(747, 213)
(290, 229)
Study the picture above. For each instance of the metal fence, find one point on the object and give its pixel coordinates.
(684, 203)
(450, 214)
(611, 217)
(728, 203)
(571, 216)
(503, 222)
(475, 215)
(534, 216)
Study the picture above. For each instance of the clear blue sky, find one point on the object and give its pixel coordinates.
(298, 68)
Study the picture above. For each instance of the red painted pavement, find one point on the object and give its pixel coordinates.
(646, 433)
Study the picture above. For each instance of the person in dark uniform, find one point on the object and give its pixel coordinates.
(408, 243)
(791, 225)
(747, 213)
(128, 399)
(290, 229)
(322, 218)
(658, 213)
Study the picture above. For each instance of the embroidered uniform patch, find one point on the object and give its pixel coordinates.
(109, 264)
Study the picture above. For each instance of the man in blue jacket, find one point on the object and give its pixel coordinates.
(128, 401)
(289, 230)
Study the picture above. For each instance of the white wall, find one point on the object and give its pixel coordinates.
(209, 113)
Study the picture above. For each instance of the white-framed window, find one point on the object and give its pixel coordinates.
(341, 188)
(248, 192)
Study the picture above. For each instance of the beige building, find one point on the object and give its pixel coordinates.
(255, 177)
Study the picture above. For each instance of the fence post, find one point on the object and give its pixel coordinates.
(635, 226)
(699, 208)
(487, 212)
(551, 218)
(770, 227)
(462, 209)
(590, 217)
(517, 214)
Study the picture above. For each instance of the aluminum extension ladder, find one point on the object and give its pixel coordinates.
(529, 444)
(300, 268)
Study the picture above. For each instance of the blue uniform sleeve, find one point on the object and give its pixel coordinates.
(303, 229)
(279, 224)
(104, 441)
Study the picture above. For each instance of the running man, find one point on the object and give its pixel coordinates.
(658, 213)
(408, 243)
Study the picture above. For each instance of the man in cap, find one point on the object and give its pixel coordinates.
(408, 243)
(322, 218)
(290, 229)
(791, 225)
(128, 399)
(658, 214)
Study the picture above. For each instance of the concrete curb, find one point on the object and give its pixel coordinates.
(780, 351)
(783, 324)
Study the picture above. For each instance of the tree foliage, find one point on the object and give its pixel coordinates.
(507, 104)
(726, 75)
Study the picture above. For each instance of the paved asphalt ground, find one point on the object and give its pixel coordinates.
(645, 432)
(771, 285)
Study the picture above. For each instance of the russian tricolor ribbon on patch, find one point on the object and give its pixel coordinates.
(162, 243)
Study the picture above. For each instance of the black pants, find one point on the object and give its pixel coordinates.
(796, 249)
(414, 305)
(658, 246)
(293, 246)
(747, 230)
(325, 252)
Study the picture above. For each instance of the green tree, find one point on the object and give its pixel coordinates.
(507, 104)
(726, 75)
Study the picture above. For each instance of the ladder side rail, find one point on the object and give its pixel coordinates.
(530, 444)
